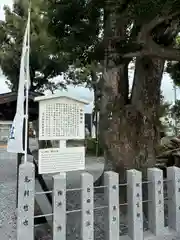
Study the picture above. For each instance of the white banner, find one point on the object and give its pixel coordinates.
(15, 142)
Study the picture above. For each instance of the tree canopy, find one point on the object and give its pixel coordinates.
(79, 25)
(46, 61)
(173, 67)
(67, 36)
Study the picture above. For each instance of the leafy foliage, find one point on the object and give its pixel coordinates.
(79, 24)
(173, 68)
(50, 56)
(68, 36)
(164, 108)
(163, 113)
(76, 24)
(171, 116)
(175, 110)
(46, 61)
(86, 75)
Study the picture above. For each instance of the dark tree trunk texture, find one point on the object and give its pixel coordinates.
(128, 125)
(129, 122)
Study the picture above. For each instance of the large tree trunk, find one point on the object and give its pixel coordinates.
(129, 127)
(114, 87)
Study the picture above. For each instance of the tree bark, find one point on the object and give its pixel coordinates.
(129, 129)
(114, 88)
(128, 125)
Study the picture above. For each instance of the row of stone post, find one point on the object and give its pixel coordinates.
(26, 195)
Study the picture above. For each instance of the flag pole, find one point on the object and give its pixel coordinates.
(26, 116)
(18, 137)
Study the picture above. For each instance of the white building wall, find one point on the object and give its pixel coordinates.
(4, 130)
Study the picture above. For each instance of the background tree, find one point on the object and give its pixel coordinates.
(173, 68)
(164, 112)
(176, 109)
(113, 33)
(46, 61)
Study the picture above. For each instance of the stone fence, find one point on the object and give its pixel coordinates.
(156, 222)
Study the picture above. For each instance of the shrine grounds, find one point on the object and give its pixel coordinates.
(8, 175)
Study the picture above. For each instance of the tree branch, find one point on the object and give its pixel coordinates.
(154, 50)
(167, 53)
(149, 47)
(148, 27)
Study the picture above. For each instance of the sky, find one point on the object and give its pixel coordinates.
(167, 85)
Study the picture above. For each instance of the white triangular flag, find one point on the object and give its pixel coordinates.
(15, 141)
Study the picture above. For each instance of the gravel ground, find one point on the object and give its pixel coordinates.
(7, 195)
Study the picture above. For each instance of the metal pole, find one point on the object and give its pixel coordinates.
(97, 133)
(175, 119)
(27, 87)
